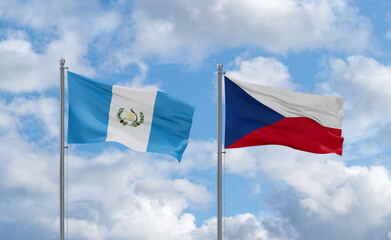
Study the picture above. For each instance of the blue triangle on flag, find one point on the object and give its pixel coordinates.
(244, 114)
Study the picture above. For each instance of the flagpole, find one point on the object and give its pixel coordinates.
(62, 68)
(219, 152)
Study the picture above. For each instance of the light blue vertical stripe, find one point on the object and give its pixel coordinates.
(89, 106)
(171, 123)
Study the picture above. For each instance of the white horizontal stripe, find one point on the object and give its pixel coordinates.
(139, 100)
(326, 110)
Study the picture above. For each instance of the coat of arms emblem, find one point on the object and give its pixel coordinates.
(130, 118)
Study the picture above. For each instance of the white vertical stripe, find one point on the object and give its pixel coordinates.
(326, 110)
(139, 100)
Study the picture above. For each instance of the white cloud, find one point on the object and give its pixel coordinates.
(24, 70)
(173, 30)
(194, 159)
(330, 190)
(79, 229)
(261, 70)
(327, 192)
(52, 17)
(168, 189)
(327, 188)
(23, 165)
(246, 226)
(365, 83)
(82, 229)
(123, 59)
(43, 109)
(30, 61)
(194, 29)
(152, 219)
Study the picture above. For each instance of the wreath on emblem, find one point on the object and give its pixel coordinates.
(131, 119)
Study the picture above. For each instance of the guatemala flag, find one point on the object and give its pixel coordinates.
(143, 120)
(261, 115)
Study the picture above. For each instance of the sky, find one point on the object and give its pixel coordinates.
(326, 47)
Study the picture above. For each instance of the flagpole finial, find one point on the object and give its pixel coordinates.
(62, 61)
(219, 67)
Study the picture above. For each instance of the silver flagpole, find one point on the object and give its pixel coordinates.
(62, 68)
(219, 153)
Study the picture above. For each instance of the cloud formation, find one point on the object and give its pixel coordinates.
(51, 31)
(173, 31)
(365, 82)
(261, 70)
(196, 28)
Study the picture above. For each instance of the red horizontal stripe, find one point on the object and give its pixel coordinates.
(299, 133)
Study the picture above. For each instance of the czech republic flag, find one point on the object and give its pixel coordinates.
(262, 115)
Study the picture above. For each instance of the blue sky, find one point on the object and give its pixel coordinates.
(329, 47)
